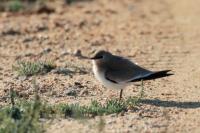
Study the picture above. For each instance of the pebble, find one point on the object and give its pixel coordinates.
(113, 115)
(71, 91)
(11, 31)
(46, 50)
(77, 52)
(62, 71)
(84, 92)
(28, 39)
(63, 53)
(67, 28)
(22, 78)
(111, 122)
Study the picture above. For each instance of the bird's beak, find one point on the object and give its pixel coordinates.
(93, 58)
(88, 58)
(96, 57)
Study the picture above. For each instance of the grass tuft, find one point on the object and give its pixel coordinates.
(15, 5)
(24, 116)
(20, 118)
(27, 68)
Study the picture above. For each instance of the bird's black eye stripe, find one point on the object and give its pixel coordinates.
(99, 57)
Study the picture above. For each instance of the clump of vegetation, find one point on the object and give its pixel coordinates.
(20, 118)
(33, 6)
(15, 5)
(25, 116)
(76, 110)
(28, 68)
(94, 109)
(37, 6)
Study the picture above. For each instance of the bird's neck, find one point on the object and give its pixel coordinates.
(99, 66)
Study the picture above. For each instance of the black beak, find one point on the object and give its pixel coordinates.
(92, 58)
(96, 57)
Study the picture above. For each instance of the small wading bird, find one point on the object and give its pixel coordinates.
(116, 72)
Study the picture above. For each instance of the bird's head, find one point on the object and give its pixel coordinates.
(101, 56)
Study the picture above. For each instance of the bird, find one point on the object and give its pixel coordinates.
(118, 72)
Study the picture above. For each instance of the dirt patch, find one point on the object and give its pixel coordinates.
(157, 34)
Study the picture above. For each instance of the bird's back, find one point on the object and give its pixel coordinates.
(121, 70)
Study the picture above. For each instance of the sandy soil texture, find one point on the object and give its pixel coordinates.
(157, 34)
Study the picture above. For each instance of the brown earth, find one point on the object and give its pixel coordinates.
(158, 34)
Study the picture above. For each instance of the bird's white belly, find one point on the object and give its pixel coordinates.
(101, 77)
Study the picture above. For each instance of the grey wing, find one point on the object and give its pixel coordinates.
(121, 70)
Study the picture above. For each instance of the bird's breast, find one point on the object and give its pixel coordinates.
(100, 76)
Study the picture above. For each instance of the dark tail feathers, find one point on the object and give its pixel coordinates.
(155, 75)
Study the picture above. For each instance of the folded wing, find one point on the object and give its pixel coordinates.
(121, 70)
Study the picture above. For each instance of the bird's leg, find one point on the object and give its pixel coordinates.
(120, 96)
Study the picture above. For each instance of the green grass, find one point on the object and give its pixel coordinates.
(21, 117)
(25, 116)
(31, 5)
(20, 5)
(15, 5)
(27, 68)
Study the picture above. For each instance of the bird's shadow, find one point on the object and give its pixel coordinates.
(161, 103)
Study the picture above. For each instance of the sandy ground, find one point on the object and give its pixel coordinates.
(158, 34)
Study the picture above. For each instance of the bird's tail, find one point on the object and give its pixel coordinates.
(155, 75)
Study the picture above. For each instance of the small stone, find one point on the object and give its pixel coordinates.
(67, 28)
(77, 83)
(11, 31)
(53, 93)
(45, 9)
(122, 113)
(110, 122)
(22, 78)
(28, 54)
(84, 92)
(77, 52)
(113, 115)
(96, 43)
(41, 27)
(71, 91)
(62, 71)
(63, 53)
(47, 50)
(82, 23)
(97, 22)
(28, 39)
(130, 126)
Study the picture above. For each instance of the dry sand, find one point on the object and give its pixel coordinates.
(157, 34)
